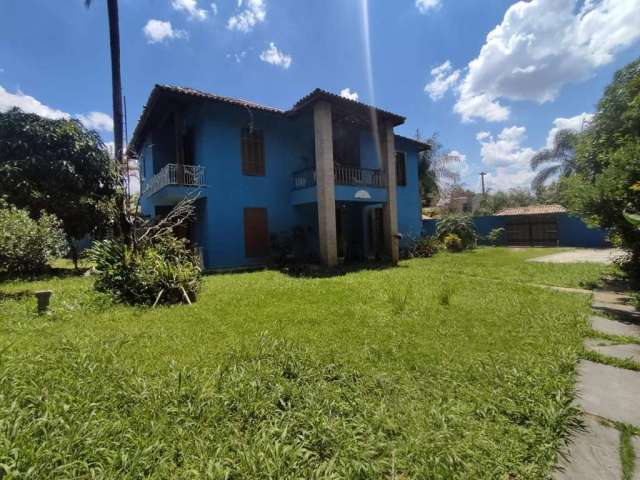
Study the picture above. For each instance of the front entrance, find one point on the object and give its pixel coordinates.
(351, 231)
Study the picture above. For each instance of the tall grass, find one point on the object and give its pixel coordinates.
(368, 375)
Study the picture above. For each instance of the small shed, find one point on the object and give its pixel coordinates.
(536, 225)
(548, 225)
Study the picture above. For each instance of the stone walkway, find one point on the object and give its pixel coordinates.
(606, 394)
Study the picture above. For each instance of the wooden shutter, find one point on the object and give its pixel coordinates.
(256, 232)
(401, 169)
(252, 152)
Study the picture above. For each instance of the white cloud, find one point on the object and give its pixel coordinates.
(214, 9)
(158, 31)
(457, 162)
(540, 46)
(443, 78)
(424, 6)
(482, 135)
(576, 123)
(97, 121)
(255, 12)
(506, 159)
(276, 57)
(190, 7)
(347, 93)
(28, 104)
(238, 57)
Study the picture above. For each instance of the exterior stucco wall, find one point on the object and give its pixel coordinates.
(408, 196)
(289, 146)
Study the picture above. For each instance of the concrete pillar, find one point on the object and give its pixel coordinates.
(325, 183)
(390, 210)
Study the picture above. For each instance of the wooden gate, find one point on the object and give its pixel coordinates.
(532, 230)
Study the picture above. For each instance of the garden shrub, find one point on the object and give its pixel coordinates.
(27, 244)
(495, 236)
(163, 271)
(459, 225)
(423, 247)
(453, 243)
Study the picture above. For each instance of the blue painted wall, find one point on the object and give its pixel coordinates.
(289, 146)
(408, 196)
(572, 231)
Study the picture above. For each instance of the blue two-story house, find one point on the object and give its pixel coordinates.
(329, 174)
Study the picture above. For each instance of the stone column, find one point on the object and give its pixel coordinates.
(325, 183)
(390, 210)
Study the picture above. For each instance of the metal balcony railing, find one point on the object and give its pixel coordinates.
(174, 174)
(355, 176)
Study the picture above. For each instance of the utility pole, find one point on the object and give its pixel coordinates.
(482, 174)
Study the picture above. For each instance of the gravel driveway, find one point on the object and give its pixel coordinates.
(592, 255)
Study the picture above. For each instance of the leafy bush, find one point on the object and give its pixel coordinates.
(423, 247)
(453, 243)
(27, 245)
(460, 225)
(495, 236)
(163, 271)
(607, 166)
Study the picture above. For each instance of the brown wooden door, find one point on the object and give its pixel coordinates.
(256, 232)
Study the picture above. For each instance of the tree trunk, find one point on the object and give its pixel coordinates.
(114, 38)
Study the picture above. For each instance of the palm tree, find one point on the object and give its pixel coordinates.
(561, 157)
(116, 84)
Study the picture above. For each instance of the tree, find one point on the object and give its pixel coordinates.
(492, 203)
(116, 84)
(561, 155)
(434, 170)
(607, 165)
(60, 167)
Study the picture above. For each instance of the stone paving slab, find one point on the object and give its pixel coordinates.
(618, 310)
(635, 441)
(614, 327)
(608, 296)
(592, 455)
(609, 392)
(629, 351)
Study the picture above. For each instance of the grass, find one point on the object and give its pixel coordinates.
(422, 371)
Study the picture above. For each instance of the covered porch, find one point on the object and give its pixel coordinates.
(350, 177)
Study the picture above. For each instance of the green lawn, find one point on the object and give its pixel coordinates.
(449, 367)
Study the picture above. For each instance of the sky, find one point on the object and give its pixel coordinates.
(494, 79)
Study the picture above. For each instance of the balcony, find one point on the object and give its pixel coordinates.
(190, 176)
(353, 184)
(352, 176)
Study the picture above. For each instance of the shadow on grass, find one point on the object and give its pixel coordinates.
(313, 270)
(48, 274)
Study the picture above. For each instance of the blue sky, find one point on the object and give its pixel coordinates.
(493, 78)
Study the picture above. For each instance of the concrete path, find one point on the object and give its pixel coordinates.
(609, 392)
(623, 352)
(606, 392)
(591, 255)
(614, 327)
(593, 454)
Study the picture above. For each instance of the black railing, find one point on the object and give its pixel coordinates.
(355, 176)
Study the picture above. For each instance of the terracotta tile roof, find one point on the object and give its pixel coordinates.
(532, 210)
(422, 145)
(317, 94)
(216, 98)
